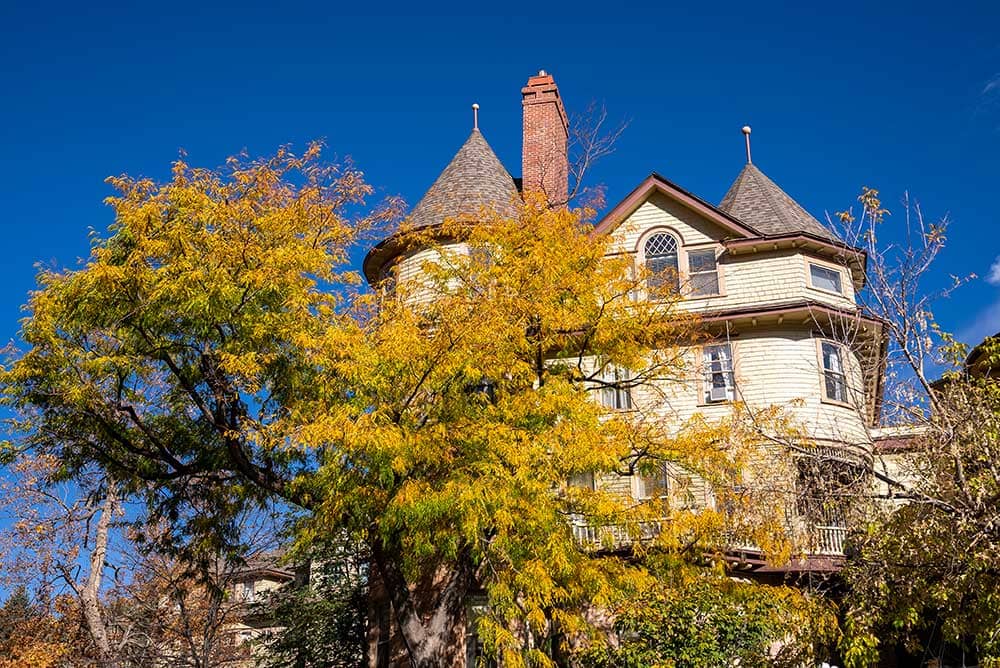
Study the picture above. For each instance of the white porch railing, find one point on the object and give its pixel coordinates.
(825, 540)
(614, 536)
(829, 540)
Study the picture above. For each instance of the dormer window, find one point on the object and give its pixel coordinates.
(825, 278)
(703, 273)
(660, 254)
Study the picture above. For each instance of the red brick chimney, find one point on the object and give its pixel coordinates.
(544, 161)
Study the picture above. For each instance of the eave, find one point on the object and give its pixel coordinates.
(395, 245)
(855, 258)
(836, 322)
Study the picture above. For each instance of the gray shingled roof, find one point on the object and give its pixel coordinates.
(475, 178)
(760, 203)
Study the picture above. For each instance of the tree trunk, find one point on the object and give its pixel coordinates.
(90, 593)
(430, 617)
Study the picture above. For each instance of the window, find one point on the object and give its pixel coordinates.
(660, 253)
(613, 388)
(824, 278)
(653, 485)
(719, 383)
(703, 273)
(834, 379)
(246, 591)
(584, 480)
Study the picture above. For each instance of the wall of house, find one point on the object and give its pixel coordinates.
(777, 366)
(746, 280)
(411, 277)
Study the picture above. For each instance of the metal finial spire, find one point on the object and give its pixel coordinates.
(746, 133)
(475, 116)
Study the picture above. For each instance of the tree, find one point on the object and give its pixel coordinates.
(694, 618)
(926, 574)
(186, 613)
(214, 352)
(31, 635)
(59, 539)
(923, 558)
(323, 623)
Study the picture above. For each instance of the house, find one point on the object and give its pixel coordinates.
(774, 285)
(248, 590)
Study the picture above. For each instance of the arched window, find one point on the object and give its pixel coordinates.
(660, 253)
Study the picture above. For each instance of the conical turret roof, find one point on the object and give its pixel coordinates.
(760, 203)
(475, 178)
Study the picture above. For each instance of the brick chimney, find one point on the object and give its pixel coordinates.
(544, 160)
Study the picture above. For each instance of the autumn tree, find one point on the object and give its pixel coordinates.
(45, 635)
(692, 617)
(59, 539)
(214, 353)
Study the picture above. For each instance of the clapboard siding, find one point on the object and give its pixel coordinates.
(772, 367)
(773, 277)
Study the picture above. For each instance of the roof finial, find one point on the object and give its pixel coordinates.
(746, 133)
(475, 115)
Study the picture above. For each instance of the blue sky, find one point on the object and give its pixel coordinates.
(899, 96)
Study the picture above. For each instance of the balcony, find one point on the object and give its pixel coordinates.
(613, 537)
(825, 541)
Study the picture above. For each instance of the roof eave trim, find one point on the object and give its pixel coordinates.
(848, 252)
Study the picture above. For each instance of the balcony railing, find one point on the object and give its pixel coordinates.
(826, 541)
(829, 540)
(614, 536)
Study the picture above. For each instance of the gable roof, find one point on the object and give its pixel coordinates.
(656, 183)
(759, 202)
(475, 178)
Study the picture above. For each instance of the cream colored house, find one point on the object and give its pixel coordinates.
(774, 285)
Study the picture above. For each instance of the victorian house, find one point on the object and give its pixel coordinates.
(775, 286)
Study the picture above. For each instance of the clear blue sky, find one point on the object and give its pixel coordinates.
(901, 96)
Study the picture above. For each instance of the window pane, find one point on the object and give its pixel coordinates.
(585, 480)
(834, 380)
(719, 383)
(653, 485)
(824, 278)
(703, 260)
(660, 254)
(705, 284)
(663, 270)
(615, 393)
(835, 388)
(831, 358)
(660, 244)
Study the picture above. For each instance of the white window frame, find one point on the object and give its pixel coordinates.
(835, 271)
(614, 397)
(838, 376)
(692, 273)
(653, 281)
(723, 367)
